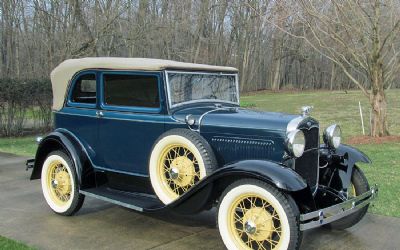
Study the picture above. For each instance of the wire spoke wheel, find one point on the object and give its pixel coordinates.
(254, 215)
(179, 160)
(254, 222)
(351, 191)
(359, 184)
(59, 182)
(179, 169)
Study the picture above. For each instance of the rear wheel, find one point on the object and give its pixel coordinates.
(255, 215)
(59, 184)
(359, 184)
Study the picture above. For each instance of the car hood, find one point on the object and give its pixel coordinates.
(235, 120)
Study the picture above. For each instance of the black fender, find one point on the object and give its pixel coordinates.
(354, 155)
(209, 188)
(343, 160)
(64, 140)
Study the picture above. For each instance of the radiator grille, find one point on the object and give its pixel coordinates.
(307, 165)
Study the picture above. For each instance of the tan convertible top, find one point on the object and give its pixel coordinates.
(63, 73)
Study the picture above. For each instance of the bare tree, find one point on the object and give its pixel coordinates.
(359, 37)
(356, 42)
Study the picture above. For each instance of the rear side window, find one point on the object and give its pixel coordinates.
(131, 90)
(85, 89)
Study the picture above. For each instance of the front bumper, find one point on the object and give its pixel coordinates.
(327, 215)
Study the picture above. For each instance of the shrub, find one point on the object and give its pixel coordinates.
(22, 101)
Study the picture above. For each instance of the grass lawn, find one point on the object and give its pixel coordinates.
(329, 107)
(12, 245)
(384, 171)
(21, 146)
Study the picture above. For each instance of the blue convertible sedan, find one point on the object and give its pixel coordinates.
(151, 134)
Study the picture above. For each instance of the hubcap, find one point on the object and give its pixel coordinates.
(250, 227)
(258, 223)
(174, 173)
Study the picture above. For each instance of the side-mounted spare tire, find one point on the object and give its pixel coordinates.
(180, 158)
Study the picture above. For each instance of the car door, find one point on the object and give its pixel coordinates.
(132, 118)
(78, 116)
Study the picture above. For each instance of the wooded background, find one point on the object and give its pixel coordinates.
(305, 44)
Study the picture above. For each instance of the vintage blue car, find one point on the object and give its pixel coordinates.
(152, 134)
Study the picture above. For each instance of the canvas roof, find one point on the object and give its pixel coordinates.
(63, 73)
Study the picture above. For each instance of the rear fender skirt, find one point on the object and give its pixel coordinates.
(64, 140)
(209, 189)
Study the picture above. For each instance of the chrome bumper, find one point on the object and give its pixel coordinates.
(338, 211)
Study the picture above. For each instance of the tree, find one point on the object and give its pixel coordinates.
(359, 36)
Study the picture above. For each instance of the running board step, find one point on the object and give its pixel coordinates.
(136, 201)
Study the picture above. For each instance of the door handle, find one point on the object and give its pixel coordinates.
(99, 113)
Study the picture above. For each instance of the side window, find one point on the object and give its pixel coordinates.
(131, 90)
(85, 89)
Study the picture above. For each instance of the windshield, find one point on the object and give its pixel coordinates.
(189, 87)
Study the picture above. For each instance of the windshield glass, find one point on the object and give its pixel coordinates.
(189, 86)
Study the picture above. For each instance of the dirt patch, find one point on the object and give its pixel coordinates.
(372, 140)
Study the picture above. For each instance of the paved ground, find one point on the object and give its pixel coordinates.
(25, 216)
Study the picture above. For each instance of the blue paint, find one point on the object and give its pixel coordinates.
(121, 139)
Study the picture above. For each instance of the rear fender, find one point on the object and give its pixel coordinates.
(210, 188)
(66, 141)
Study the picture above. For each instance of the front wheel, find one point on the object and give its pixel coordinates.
(255, 215)
(359, 185)
(59, 184)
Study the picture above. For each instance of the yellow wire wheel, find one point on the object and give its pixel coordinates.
(58, 183)
(352, 191)
(179, 160)
(251, 217)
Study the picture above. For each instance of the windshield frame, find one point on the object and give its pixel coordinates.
(200, 100)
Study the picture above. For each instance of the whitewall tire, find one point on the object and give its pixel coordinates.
(254, 215)
(59, 184)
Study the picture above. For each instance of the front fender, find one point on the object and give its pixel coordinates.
(65, 141)
(343, 160)
(273, 173)
(354, 155)
(210, 187)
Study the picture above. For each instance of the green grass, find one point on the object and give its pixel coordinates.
(12, 245)
(329, 107)
(384, 171)
(21, 146)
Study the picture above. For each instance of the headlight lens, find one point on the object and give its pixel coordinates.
(295, 143)
(333, 136)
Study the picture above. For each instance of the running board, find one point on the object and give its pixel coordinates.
(136, 201)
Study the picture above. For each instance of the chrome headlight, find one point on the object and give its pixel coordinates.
(332, 136)
(295, 143)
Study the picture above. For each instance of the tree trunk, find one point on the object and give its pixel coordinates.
(378, 104)
(333, 76)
